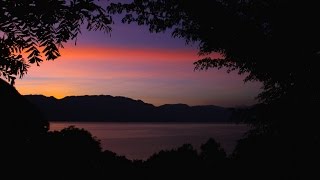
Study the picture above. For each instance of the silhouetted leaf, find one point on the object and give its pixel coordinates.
(28, 25)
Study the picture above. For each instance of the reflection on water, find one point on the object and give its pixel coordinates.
(140, 140)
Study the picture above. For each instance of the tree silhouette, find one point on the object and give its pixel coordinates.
(212, 152)
(74, 153)
(274, 42)
(23, 125)
(22, 129)
(31, 31)
(37, 29)
(214, 159)
(177, 163)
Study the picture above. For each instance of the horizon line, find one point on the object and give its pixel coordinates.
(59, 98)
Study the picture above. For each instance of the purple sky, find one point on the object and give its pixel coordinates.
(155, 68)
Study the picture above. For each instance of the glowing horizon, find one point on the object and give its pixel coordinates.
(154, 68)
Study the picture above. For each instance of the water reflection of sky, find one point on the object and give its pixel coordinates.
(140, 140)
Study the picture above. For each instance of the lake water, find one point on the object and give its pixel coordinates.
(141, 140)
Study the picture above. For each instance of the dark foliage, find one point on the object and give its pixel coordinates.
(74, 153)
(33, 30)
(29, 149)
(186, 162)
(20, 119)
(212, 152)
(274, 42)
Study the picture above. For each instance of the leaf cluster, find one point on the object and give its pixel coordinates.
(274, 42)
(33, 30)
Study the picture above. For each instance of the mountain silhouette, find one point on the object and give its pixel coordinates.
(107, 108)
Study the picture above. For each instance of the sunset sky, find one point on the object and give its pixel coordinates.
(155, 68)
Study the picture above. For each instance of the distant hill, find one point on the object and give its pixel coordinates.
(122, 109)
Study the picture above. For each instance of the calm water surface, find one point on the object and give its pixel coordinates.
(141, 140)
